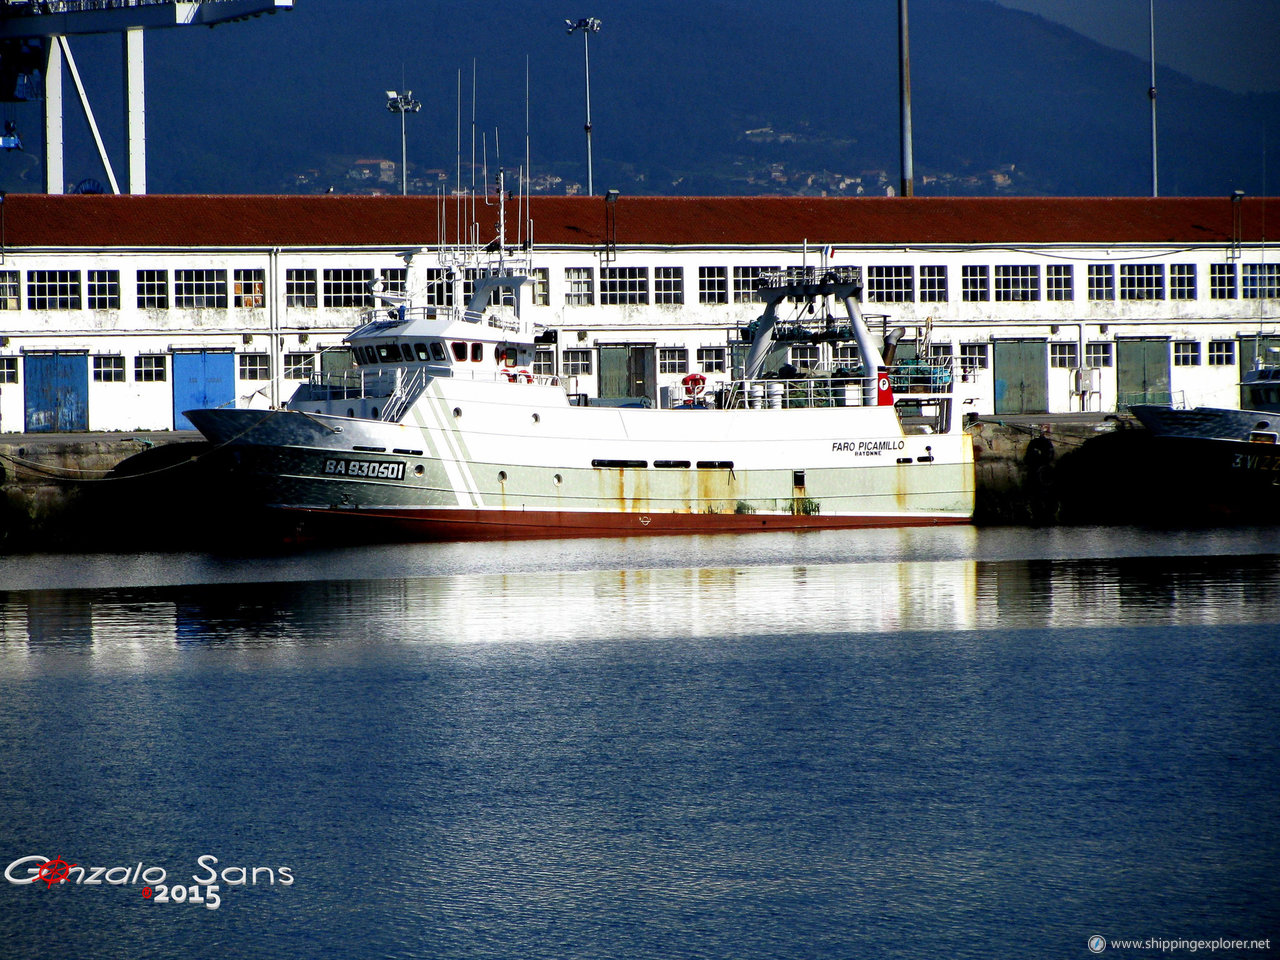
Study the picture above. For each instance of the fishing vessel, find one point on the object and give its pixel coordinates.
(440, 431)
(1226, 459)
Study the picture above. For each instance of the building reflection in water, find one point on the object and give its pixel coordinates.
(131, 629)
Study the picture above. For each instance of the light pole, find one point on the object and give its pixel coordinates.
(1151, 92)
(403, 103)
(588, 26)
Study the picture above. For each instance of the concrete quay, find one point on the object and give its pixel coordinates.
(144, 490)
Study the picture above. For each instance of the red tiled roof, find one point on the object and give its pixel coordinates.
(102, 221)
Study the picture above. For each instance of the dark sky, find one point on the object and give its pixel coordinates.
(1228, 43)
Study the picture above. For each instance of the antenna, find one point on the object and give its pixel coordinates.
(458, 196)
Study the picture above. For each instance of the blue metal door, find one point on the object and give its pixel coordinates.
(202, 379)
(56, 392)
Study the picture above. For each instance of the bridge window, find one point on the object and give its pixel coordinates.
(459, 351)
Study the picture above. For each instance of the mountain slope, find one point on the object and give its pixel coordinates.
(724, 96)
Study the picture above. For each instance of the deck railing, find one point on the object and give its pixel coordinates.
(839, 389)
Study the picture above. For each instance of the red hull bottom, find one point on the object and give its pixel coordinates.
(466, 524)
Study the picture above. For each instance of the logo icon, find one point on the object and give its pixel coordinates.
(54, 871)
(1097, 944)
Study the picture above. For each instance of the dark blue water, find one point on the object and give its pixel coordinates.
(939, 744)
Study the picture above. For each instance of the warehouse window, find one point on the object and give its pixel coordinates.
(746, 280)
(250, 288)
(975, 283)
(255, 366)
(581, 292)
(541, 294)
(104, 290)
(668, 285)
(1017, 282)
(298, 366)
(153, 289)
(439, 290)
(1059, 281)
(974, 357)
(624, 285)
(1064, 355)
(150, 368)
(713, 284)
(10, 283)
(1222, 353)
(1098, 354)
(933, 284)
(891, 284)
(577, 363)
(1142, 281)
(348, 287)
(711, 359)
(53, 289)
(300, 288)
(193, 289)
(1182, 281)
(108, 369)
(1186, 353)
(1222, 281)
(1102, 281)
(1260, 281)
(673, 360)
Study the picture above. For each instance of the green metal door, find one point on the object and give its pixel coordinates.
(1267, 349)
(1142, 372)
(1021, 370)
(628, 372)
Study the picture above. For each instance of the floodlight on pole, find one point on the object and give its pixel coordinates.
(588, 26)
(403, 103)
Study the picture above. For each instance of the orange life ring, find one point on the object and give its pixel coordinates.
(694, 385)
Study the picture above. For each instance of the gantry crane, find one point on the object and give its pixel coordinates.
(34, 47)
